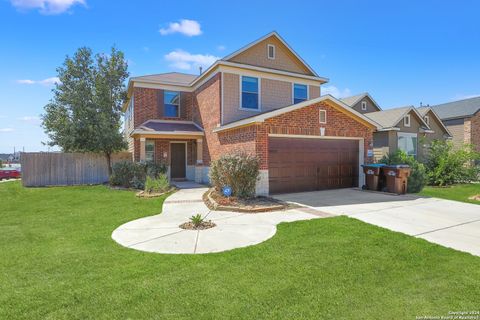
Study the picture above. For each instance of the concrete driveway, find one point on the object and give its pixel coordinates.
(449, 223)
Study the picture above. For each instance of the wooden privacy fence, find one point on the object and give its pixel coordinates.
(65, 169)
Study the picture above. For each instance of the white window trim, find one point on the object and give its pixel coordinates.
(320, 118)
(146, 143)
(364, 105)
(293, 91)
(405, 122)
(179, 104)
(408, 135)
(427, 120)
(268, 51)
(259, 93)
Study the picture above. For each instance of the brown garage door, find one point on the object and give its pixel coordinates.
(297, 165)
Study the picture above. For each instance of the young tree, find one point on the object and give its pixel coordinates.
(84, 114)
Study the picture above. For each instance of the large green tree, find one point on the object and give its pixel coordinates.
(85, 113)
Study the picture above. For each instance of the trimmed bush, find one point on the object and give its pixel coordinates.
(134, 174)
(446, 166)
(237, 170)
(417, 179)
(157, 185)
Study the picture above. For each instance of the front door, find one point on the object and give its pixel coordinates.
(177, 161)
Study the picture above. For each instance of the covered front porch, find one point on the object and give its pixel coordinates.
(177, 144)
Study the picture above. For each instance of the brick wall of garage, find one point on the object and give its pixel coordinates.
(306, 121)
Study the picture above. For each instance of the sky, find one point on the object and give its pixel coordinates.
(402, 52)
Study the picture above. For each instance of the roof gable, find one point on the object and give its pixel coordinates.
(255, 53)
(427, 111)
(391, 117)
(353, 100)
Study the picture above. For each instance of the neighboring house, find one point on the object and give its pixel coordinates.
(362, 103)
(263, 100)
(438, 130)
(406, 128)
(462, 118)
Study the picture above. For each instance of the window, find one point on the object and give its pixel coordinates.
(249, 97)
(171, 104)
(299, 92)
(427, 120)
(408, 142)
(271, 51)
(364, 105)
(150, 151)
(406, 120)
(323, 116)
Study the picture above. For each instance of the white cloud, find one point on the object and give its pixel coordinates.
(184, 60)
(46, 82)
(6, 129)
(187, 27)
(336, 92)
(31, 119)
(46, 6)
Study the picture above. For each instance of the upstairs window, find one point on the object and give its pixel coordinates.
(249, 95)
(271, 51)
(406, 120)
(299, 93)
(323, 116)
(150, 151)
(364, 105)
(427, 120)
(171, 104)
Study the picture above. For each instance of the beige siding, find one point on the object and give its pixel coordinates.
(274, 94)
(456, 128)
(313, 92)
(284, 59)
(438, 134)
(371, 107)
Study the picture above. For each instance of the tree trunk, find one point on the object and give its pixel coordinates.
(109, 163)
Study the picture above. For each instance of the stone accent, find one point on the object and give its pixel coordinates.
(261, 189)
(191, 173)
(198, 174)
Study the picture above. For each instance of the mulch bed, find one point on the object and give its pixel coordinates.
(143, 194)
(475, 197)
(216, 201)
(204, 225)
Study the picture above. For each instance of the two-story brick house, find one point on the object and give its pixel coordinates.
(262, 99)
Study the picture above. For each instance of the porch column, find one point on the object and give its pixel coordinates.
(199, 162)
(142, 149)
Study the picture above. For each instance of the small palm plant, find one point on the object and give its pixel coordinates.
(196, 220)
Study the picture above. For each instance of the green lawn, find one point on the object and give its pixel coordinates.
(57, 261)
(459, 192)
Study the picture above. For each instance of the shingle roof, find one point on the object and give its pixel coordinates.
(390, 117)
(458, 109)
(423, 110)
(176, 78)
(174, 126)
(353, 99)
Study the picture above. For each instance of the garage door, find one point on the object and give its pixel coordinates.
(297, 165)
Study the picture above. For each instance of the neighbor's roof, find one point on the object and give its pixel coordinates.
(391, 117)
(353, 100)
(168, 127)
(174, 78)
(273, 113)
(458, 109)
(424, 110)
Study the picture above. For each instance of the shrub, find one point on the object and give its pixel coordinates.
(196, 220)
(446, 166)
(157, 185)
(237, 170)
(417, 179)
(134, 174)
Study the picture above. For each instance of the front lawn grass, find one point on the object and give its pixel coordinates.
(459, 192)
(58, 261)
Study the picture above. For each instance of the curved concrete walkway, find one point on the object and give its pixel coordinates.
(161, 233)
